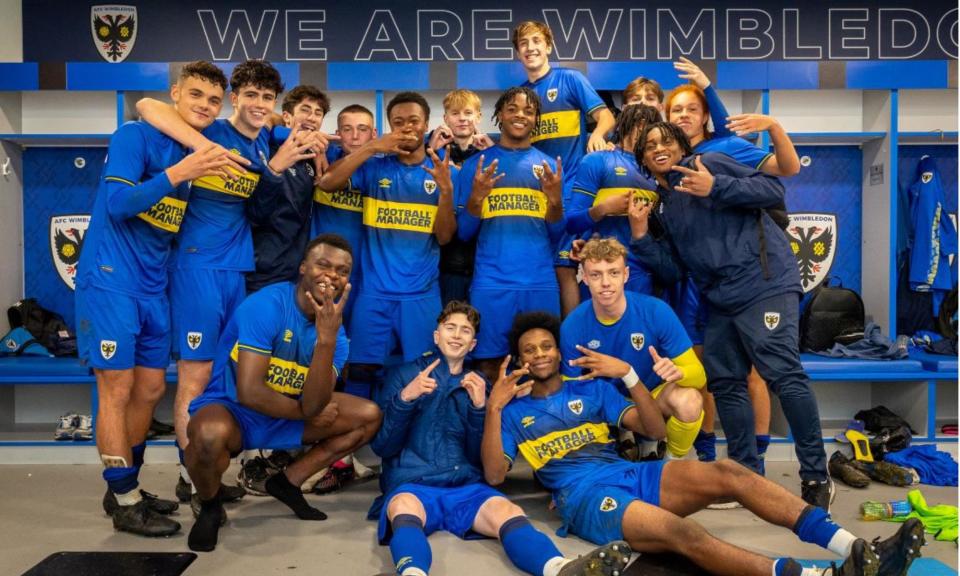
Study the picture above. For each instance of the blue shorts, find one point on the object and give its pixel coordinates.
(448, 508)
(259, 431)
(380, 323)
(595, 513)
(201, 303)
(118, 331)
(497, 308)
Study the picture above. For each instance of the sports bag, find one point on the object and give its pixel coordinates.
(833, 314)
(47, 327)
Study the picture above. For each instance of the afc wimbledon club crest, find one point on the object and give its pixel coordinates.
(575, 406)
(813, 238)
(114, 30)
(552, 94)
(636, 340)
(66, 241)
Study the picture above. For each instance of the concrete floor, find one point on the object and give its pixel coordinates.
(51, 508)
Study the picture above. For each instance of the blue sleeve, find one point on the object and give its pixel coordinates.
(279, 135)
(127, 161)
(584, 194)
(569, 336)
(736, 185)
(587, 97)
(659, 257)
(360, 179)
(397, 414)
(467, 224)
(342, 351)
(746, 153)
(258, 323)
(718, 112)
(507, 438)
(614, 403)
(672, 338)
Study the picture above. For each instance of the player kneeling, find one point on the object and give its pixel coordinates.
(430, 442)
(272, 387)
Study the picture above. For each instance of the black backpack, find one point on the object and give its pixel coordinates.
(947, 319)
(833, 314)
(47, 327)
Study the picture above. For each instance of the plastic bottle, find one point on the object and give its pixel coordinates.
(871, 510)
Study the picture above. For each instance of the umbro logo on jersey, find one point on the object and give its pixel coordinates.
(771, 320)
(527, 421)
(194, 339)
(107, 349)
(593, 344)
(620, 171)
(575, 406)
(637, 340)
(429, 186)
(608, 504)
(288, 335)
(537, 171)
(384, 182)
(552, 94)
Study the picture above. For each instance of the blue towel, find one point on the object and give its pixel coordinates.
(934, 467)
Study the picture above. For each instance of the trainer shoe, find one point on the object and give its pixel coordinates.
(841, 467)
(143, 520)
(84, 431)
(819, 492)
(67, 426)
(897, 552)
(608, 560)
(862, 561)
(227, 493)
(254, 474)
(154, 502)
(183, 490)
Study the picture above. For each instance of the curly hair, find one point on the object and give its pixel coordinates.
(305, 92)
(527, 321)
(605, 249)
(632, 117)
(509, 95)
(668, 131)
(205, 71)
(458, 307)
(258, 73)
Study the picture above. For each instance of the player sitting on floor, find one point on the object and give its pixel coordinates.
(272, 387)
(433, 410)
(562, 430)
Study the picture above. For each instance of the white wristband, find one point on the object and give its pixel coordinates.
(631, 379)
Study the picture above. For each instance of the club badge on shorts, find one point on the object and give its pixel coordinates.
(608, 504)
(107, 349)
(636, 340)
(771, 320)
(575, 406)
(114, 31)
(194, 339)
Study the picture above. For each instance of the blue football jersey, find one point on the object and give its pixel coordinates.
(339, 212)
(646, 322)
(400, 253)
(136, 214)
(565, 437)
(270, 323)
(737, 148)
(216, 233)
(514, 241)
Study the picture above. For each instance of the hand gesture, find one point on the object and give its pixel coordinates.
(665, 368)
(599, 365)
(320, 165)
(476, 388)
(211, 160)
(506, 388)
(440, 171)
(442, 135)
(743, 124)
(698, 182)
(298, 146)
(596, 143)
(638, 214)
(617, 204)
(484, 179)
(481, 141)
(690, 71)
(390, 143)
(551, 183)
(421, 384)
(575, 249)
(327, 314)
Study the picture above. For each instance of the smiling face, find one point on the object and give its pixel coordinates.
(534, 51)
(688, 112)
(252, 106)
(409, 118)
(606, 280)
(455, 336)
(308, 112)
(660, 152)
(517, 118)
(198, 101)
(538, 348)
(325, 265)
(355, 129)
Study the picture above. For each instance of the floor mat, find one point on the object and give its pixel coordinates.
(113, 564)
(673, 565)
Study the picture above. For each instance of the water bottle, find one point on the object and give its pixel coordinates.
(871, 510)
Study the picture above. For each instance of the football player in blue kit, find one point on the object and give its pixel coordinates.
(433, 410)
(407, 214)
(567, 99)
(272, 388)
(123, 315)
(510, 199)
(562, 429)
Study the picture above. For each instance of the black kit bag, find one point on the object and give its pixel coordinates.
(833, 315)
(46, 326)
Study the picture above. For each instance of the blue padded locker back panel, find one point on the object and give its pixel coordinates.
(53, 186)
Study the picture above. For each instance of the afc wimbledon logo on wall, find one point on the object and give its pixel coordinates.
(66, 241)
(813, 238)
(114, 30)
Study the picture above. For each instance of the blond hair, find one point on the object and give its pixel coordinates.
(606, 249)
(530, 27)
(638, 85)
(459, 99)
